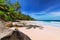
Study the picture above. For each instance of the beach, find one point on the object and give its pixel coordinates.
(48, 32)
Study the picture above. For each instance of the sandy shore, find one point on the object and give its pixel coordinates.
(48, 33)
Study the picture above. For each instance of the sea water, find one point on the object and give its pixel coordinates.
(50, 23)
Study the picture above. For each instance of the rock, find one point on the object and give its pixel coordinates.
(5, 32)
(8, 24)
(16, 35)
(1, 24)
(17, 21)
(17, 24)
(13, 24)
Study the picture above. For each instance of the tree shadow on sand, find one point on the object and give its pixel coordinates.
(34, 26)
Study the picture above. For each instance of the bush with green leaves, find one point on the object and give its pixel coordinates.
(11, 12)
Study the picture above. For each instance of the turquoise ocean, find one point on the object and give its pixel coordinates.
(55, 23)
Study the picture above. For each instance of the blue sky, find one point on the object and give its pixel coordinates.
(41, 9)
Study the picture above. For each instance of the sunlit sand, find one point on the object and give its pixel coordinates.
(48, 33)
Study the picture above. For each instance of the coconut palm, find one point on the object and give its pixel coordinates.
(11, 12)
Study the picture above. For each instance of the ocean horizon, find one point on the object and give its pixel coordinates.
(55, 23)
(50, 20)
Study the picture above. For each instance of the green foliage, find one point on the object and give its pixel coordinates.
(11, 9)
(1, 13)
(10, 12)
(2, 1)
(8, 18)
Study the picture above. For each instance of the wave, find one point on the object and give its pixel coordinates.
(52, 23)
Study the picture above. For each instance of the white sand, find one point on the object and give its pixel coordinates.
(48, 33)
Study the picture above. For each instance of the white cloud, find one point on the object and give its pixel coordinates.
(51, 8)
(50, 16)
(55, 13)
(45, 16)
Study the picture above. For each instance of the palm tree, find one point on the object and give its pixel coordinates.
(17, 6)
(12, 12)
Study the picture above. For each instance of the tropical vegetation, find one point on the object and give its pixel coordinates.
(11, 12)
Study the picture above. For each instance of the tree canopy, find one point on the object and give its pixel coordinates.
(11, 12)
